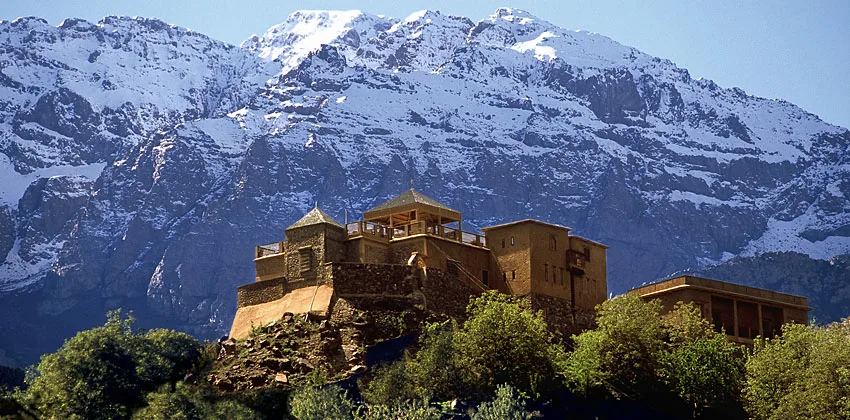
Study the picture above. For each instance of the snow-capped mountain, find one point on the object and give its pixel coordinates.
(141, 162)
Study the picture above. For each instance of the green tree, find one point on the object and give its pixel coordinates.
(623, 353)
(185, 403)
(503, 343)
(104, 373)
(702, 366)
(328, 403)
(704, 371)
(433, 369)
(803, 373)
(507, 405)
(390, 385)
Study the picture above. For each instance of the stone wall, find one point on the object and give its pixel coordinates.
(401, 250)
(446, 294)
(563, 319)
(307, 237)
(374, 279)
(376, 253)
(441, 292)
(260, 292)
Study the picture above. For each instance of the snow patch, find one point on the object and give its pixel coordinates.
(14, 184)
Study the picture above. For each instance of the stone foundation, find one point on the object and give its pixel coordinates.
(354, 279)
(563, 318)
(260, 292)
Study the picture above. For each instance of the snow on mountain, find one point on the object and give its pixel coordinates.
(141, 162)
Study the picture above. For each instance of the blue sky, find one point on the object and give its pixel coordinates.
(793, 50)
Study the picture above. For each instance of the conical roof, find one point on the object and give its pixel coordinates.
(409, 197)
(315, 217)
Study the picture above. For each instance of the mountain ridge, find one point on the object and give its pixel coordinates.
(150, 191)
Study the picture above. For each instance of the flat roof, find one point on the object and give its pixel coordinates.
(485, 229)
(721, 287)
(588, 240)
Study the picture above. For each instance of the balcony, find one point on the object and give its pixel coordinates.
(268, 249)
(385, 233)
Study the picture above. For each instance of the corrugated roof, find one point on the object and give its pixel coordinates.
(408, 197)
(315, 217)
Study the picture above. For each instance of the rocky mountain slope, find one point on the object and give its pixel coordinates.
(141, 162)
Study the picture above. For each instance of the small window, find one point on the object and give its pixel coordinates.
(485, 277)
(554, 273)
(553, 242)
(503, 242)
(505, 277)
(587, 254)
(545, 272)
(451, 267)
(513, 274)
(305, 259)
(512, 241)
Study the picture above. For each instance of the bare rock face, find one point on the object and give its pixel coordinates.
(146, 186)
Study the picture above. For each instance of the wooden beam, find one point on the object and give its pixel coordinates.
(735, 316)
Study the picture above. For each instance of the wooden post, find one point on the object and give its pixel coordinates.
(735, 316)
(761, 323)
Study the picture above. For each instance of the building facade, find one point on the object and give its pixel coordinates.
(743, 312)
(527, 258)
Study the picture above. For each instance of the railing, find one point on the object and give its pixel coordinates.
(269, 249)
(576, 259)
(361, 228)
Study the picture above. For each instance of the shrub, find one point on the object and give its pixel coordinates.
(507, 405)
(320, 404)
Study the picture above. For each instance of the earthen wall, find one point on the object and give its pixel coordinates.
(270, 267)
(511, 258)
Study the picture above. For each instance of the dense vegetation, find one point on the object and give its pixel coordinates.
(501, 363)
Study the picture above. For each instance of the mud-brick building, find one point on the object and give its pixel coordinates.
(743, 312)
(414, 246)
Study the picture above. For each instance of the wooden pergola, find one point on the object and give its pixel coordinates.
(412, 207)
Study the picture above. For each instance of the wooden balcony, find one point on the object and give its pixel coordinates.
(385, 233)
(268, 249)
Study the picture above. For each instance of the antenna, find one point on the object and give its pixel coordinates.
(411, 183)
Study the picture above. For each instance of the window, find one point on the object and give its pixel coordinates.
(513, 274)
(503, 242)
(505, 277)
(305, 258)
(587, 254)
(553, 242)
(545, 272)
(451, 267)
(485, 277)
(512, 241)
(554, 273)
